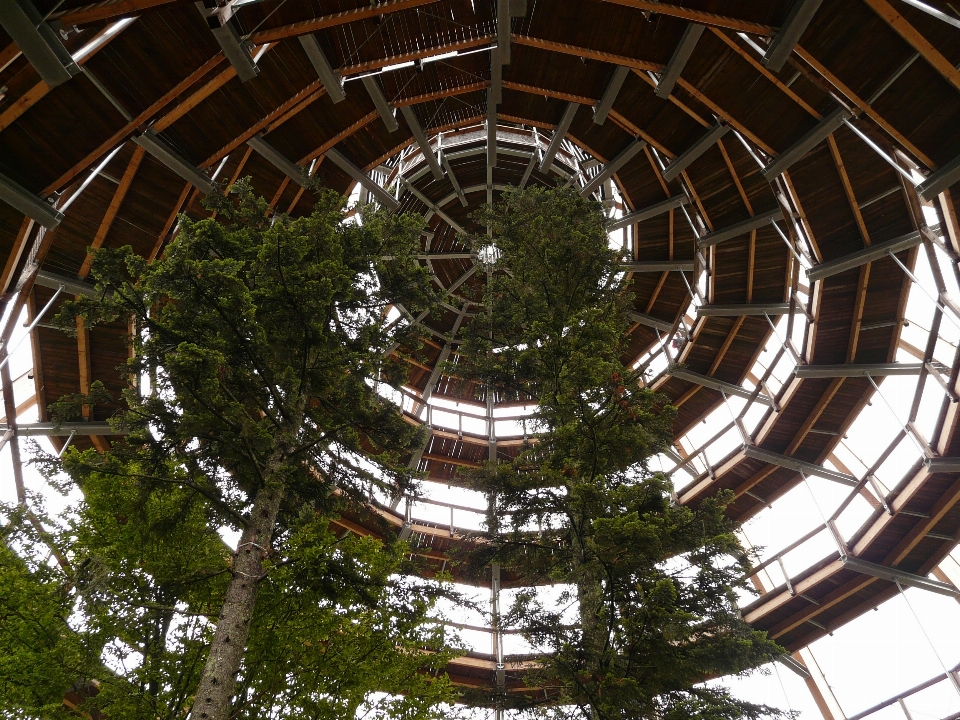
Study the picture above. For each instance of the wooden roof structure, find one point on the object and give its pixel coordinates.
(776, 157)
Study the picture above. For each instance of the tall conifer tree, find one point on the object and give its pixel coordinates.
(649, 611)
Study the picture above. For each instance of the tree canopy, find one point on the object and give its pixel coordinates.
(258, 342)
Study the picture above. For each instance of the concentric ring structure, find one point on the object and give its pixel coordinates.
(784, 174)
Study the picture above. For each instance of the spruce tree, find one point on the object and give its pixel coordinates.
(262, 339)
(648, 609)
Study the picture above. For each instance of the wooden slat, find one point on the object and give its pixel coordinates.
(577, 51)
(335, 19)
(121, 192)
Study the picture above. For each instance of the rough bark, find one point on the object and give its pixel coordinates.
(218, 681)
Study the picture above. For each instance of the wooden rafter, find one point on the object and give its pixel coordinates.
(368, 65)
(335, 19)
(814, 415)
(107, 222)
(16, 252)
(730, 119)
(637, 131)
(195, 98)
(916, 40)
(676, 101)
(584, 52)
(32, 96)
(108, 9)
(856, 100)
(131, 126)
(441, 94)
(342, 135)
(171, 219)
(737, 48)
(848, 189)
(299, 102)
(735, 177)
(547, 92)
(697, 16)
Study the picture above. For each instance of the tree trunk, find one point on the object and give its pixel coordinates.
(218, 681)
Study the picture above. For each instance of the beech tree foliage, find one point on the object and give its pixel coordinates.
(649, 611)
(260, 340)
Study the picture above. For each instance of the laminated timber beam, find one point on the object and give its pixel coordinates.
(328, 76)
(740, 228)
(721, 386)
(335, 19)
(361, 177)
(697, 16)
(156, 146)
(602, 108)
(37, 40)
(584, 52)
(559, 134)
(742, 309)
(372, 85)
(273, 156)
(805, 144)
(789, 33)
(422, 141)
(649, 212)
(17, 196)
(106, 10)
(857, 370)
(704, 143)
(671, 73)
(622, 158)
(916, 40)
(862, 257)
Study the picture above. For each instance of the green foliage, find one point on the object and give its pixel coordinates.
(261, 340)
(652, 584)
